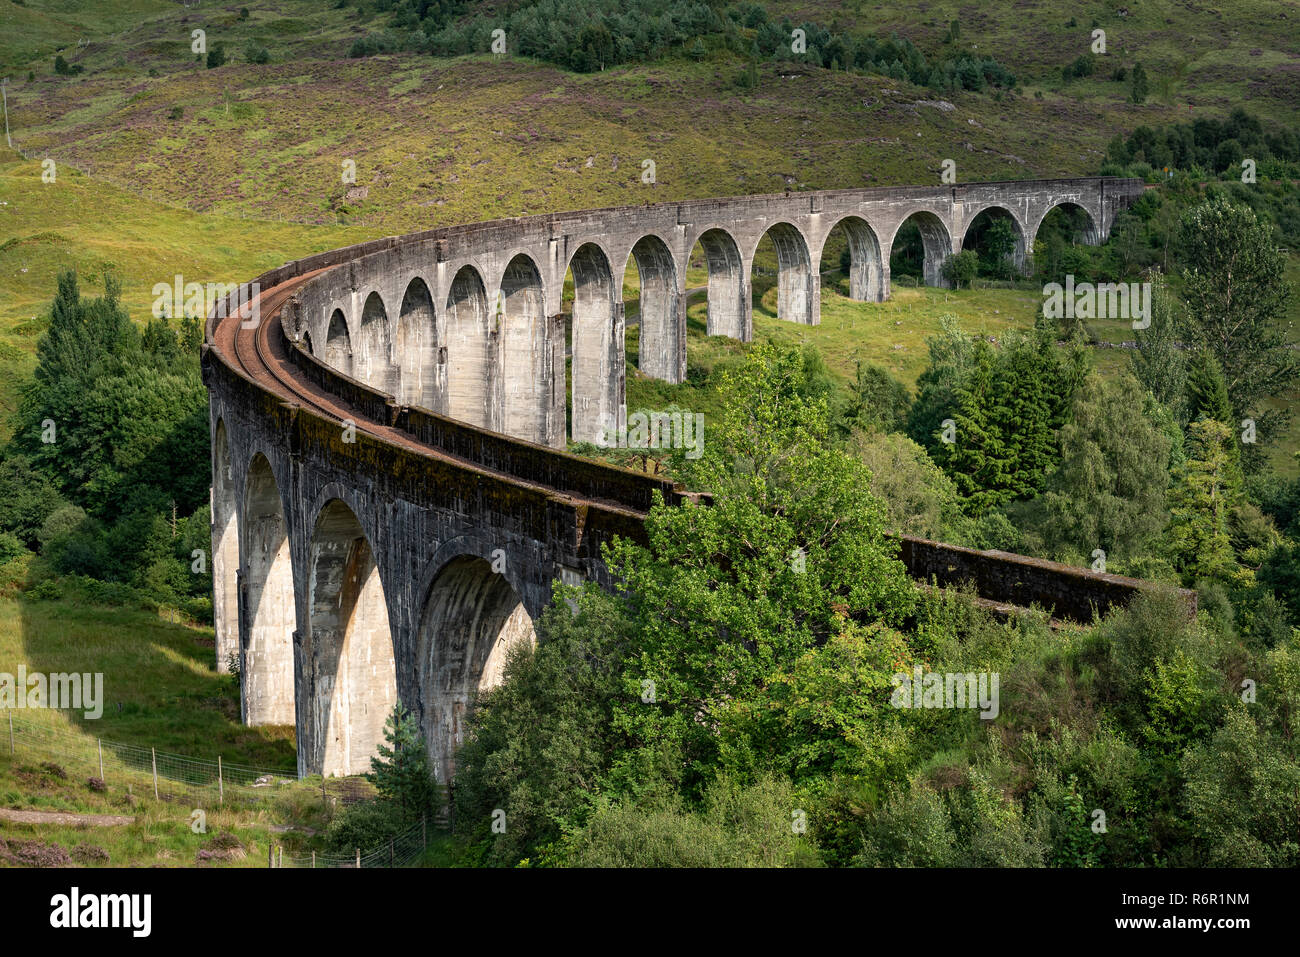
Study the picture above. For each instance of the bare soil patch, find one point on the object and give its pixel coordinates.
(64, 818)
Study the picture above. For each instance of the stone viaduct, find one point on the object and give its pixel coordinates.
(391, 501)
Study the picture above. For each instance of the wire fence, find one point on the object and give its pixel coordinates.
(198, 783)
(168, 776)
(398, 851)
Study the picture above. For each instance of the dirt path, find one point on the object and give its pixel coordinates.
(61, 817)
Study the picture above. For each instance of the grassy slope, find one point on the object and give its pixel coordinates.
(893, 335)
(443, 141)
(440, 142)
(82, 223)
(40, 28)
(160, 835)
(161, 687)
(160, 690)
(1214, 56)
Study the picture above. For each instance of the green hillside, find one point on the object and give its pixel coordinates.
(165, 166)
(91, 226)
(439, 141)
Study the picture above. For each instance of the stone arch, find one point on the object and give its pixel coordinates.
(936, 244)
(662, 320)
(599, 370)
(527, 374)
(797, 284)
(730, 310)
(225, 551)
(354, 675)
(1090, 234)
(1062, 224)
(994, 212)
(471, 617)
(266, 669)
(338, 344)
(866, 266)
(468, 362)
(417, 349)
(372, 357)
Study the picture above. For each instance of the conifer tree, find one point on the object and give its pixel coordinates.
(1138, 77)
(401, 769)
(1007, 411)
(1237, 297)
(1032, 415)
(1109, 491)
(1207, 392)
(1159, 364)
(1202, 502)
(976, 459)
(84, 335)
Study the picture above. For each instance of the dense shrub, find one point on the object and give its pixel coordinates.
(754, 826)
(595, 34)
(364, 826)
(960, 268)
(919, 499)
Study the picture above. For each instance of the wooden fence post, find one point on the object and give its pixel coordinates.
(221, 785)
(154, 754)
(100, 743)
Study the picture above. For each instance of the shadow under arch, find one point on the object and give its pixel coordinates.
(936, 244)
(468, 366)
(983, 221)
(866, 266)
(471, 618)
(527, 378)
(661, 349)
(728, 291)
(351, 656)
(338, 344)
(1074, 219)
(267, 672)
(1062, 226)
(797, 285)
(599, 371)
(372, 356)
(418, 371)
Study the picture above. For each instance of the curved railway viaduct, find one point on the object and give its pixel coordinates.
(391, 501)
